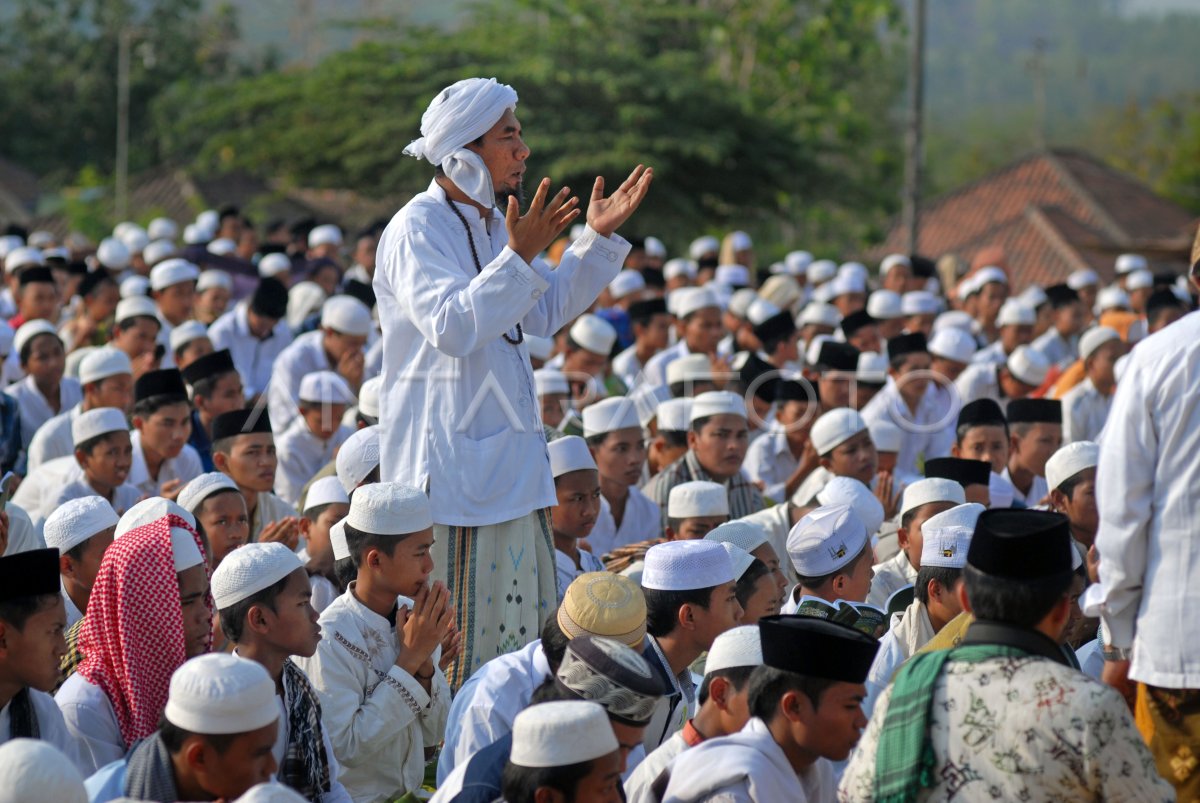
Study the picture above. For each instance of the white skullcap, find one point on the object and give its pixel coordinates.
(919, 302)
(150, 510)
(953, 319)
(855, 270)
(834, 428)
(1094, 338)
(687, 300)
(796, 262)
(823, 294)
(35, 771)
(561, 733)
(739, 558)
(325, 387)
(112, 254)
(825, 540)
(1014, 313)
(337, 539)
(675, 415)
(271, 792)
(195, 235)
(872, 367)
(76, 521)
(368, 397)
(952, 344)
(162, 228)
(184, 549)
(185, 333)
(627, 282)
(222, 246)
(171, 272)
(819, 314)
(844, 284)
(654, 248)
(931, 489)
(1084, 277)
(204, 486)
(886, 436)
(133, 286)
(697, 498)
(326, 234)
(389, 508)
(135, 307)
(988, 275)
(674, 268)
(594, 334)
(892, 260)
(135, 238)
(249, 569)
(717, 402)
(157, 251)
(609, 415)
(358, 457)
(274, 264)
(740, 241)
(23, 257)
(964, 515)
(347, 315)
(686, 566)
(214, 278)
(1033, 297)
(1112, 298)
(821, 271)
(967, 286)
(690, 368)
(219, 693)
(97, 422)
(209, 220)
(31, 329)
(732, 275)
(741, 646)
(703, 245)
(647, 398)
(884, 305)
(945, 546)
(1063, 464)
(325, 491)
(1128, 263)
(550, 380)
(1028, 365)
(540, 348)
(745, 534)
(849, 491)
(569, 454)
(760, 310)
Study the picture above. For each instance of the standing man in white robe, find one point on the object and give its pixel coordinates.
(459, 283)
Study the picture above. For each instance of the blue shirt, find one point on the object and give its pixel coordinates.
(201, 443)
(108, 783)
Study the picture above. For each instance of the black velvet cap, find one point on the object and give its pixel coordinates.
(750, 371)
(1035, 411)
(855, 321)
(35, 274)
(1021, 544)
(838, 356)
(214, 364)
(642, 311)
(1060, 295)
(981, 412)
(270, 299)
(797, 390)
(964, 472)
(816, 648)
(167, 382)
(777, 326)
(29, 574)
(900, 345)
(240, 422)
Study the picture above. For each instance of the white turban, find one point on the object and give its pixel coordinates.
(462, 113)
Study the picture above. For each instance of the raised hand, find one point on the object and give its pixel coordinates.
(285, 531)
(532, 233)
(605, 215)
(426, 625)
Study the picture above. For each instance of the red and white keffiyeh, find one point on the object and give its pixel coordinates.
(133, 635)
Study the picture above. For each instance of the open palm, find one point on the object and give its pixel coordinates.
(605, 215)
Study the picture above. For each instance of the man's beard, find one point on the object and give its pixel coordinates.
(518, 193)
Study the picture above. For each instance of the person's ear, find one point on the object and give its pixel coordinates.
(686, 617)
(138, 422)
(934, 590)
(256, 619)
(955, 451)
(66, 566)
(1014, 445)
(902, 536)
(82, 458)
(796, 706)
(544, 794)
(826, 463)
(719, 690)
(4, 631)
(195, 755)
(669, 533)
(693, 438)
(305, 525)
(963, 602)
(1058, 500)
(221, 462)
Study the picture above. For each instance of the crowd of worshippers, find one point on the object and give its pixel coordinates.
(782, 494)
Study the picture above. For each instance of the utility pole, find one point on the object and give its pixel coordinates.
(916, 94)
(1037, 67)
(125, 41)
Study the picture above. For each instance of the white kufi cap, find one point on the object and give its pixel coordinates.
(959, 516)
(1094, 338)
(594, 334)
(561, 733)
(675, 415)
(825, 540)
(31, 329)
(389, 508)
(249, 569)
(741, 646)
(358, 457)
(368, 397)
(35, 771)
(102, 363)
(834, 428)
(347, 315)
(185, 333)
(626, 283)
(97, 422)
(945, 546)
(76, 521)
(219, 693)
(952, 343)
(686, 566)
(325, 491)
(1084, 277)
(1065, 463)
(1013, 312)
(717, 402)
(740, 532)
(1128, 263)
(568, 454)
(171, 272)
(849, 491)
(325, 387)
(609, 415)
(214, 278)
(689, 368)
(739, 558)
(327, 234)
(697, 498)
(1028, 365)
(931, 489)
(133, 286)
(275, 264)
(686, 300)
(337, 539)
(550, 380)
(884, 305)
(136, 307)
(203, 487)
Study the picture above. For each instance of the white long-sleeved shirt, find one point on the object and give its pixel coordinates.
(301, 455)
(979, 381)
(1146, 482)
(922, 432)
(1057, 349)
(35, 410)
(627, 366)
(642, 521)
(1038, 490)
(306, 355)
(185, 466)
(565, 570)
(769, 460)
(53, 439)
(1084, 413)
(91, 722)
(655, 371)
(456, 396)
(891, 575)
(252, 357)
(51, 727)
(378, 717)
(639, 787)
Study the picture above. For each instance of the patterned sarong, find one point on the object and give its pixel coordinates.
(1169, 721)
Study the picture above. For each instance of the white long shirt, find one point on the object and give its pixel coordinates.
(627, 366)
(301, 455)
(921, 431)
(39, 489)
(1084, 413)
(979, 381)
(655, 372)
(1057, 349)
(185, 466)
(51, 727)
(994, 354)
(378, 717)
(92, 723)
(890, 576)
(306, 355)
(1038, 490)
(642, 521)
(35, 410)
(1146, 492)
(769, 460)
(639, 787)
(565, 570)
(456, 396)
(253, 358)
(53, 439)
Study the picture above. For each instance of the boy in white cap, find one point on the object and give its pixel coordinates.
(163, 462)
(107, 380)
(1071, 477)
(690, 375)
(921, 501)
(324, 506)
(44, 392)
(651, 324)
(104, 454)
(189, 341)
(672, 421)
(383, 696)
(554, 401)
(563, 750)
(220, 511)
(357, 461)
(615, 437)
(590, 341)
(337, 346)
(577, 486)
(843, 442)
(717, 441)
(311, 440)
(698, 325)
(691, 598)
(173, 288)
(135, 332)
(215, 741)
(694, 509)
(724, 709)
(1058, 344)
(81, 530)
(262, 594)
(1017, 377)
(244, 449)
(1085, 407)
(831, 553)
(214, 290)
(1015, 322)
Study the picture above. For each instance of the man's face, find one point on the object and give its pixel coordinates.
(947, 368)
(797, 419)
(364, 251)
(721, 444)
(910, 537)
(39, 300)
(316, 536)
(177, 301)
(84, 570)
(1069, 320)
(323, 420)
(228, 395)
(213, 302)
(1080, 507)
(1038, 444)
(578, 494)
(834, 726)
(628, 739)
(991, 297)
(337, 344)
(292, 621)
(226, 524)
(866, 339)
(850, 303)
(259, 325)
(855, 457)
(197, 620)
(1102, 364)
(553, 408)
(767, 554)
(136, 338)
(621, 456)
(702, 330)
(657, 332)
(252, 461)
(407, 569)
(695, 528)
(602, 784)
(200, 347)
(167, 430)
(112, 391)
(1015, 335)
(584, 363)
(109, 461)
(855, 584)
(834, 388)
(724, 612)
(912, 377)
(47, 359)
(764, 600)
(248, 760)
(1013, 388)
(31, 654)
(504, 153)
(897, 278)
(988, 443)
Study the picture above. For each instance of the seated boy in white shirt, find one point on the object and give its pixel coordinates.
(831, 552)
(577, 488)
(104, 451)
(81, 531)
(312, 438)
(325, 505)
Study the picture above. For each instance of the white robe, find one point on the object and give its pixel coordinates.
(1038, 490)
(890, 576)
(1084, 413)
(305, 355)
(922, 433)
(301, 455)
(655, 372)
(185, 466)
(53, 439)
(39, 489)
(35, 410)
(642, 521)
(769, 460)
(566, 571)
(92, 723)
(1057, 349)
(51, 727)
(638, 787)
(253, 358)
(627, 366)
(909, 631)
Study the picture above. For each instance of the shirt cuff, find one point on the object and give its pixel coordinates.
(408, 688)
(536, 275)
(612, 249)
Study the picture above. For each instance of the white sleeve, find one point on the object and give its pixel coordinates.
(585, 269)
(477, 730)
(433, 716)
(95, 739)
(337, 793)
